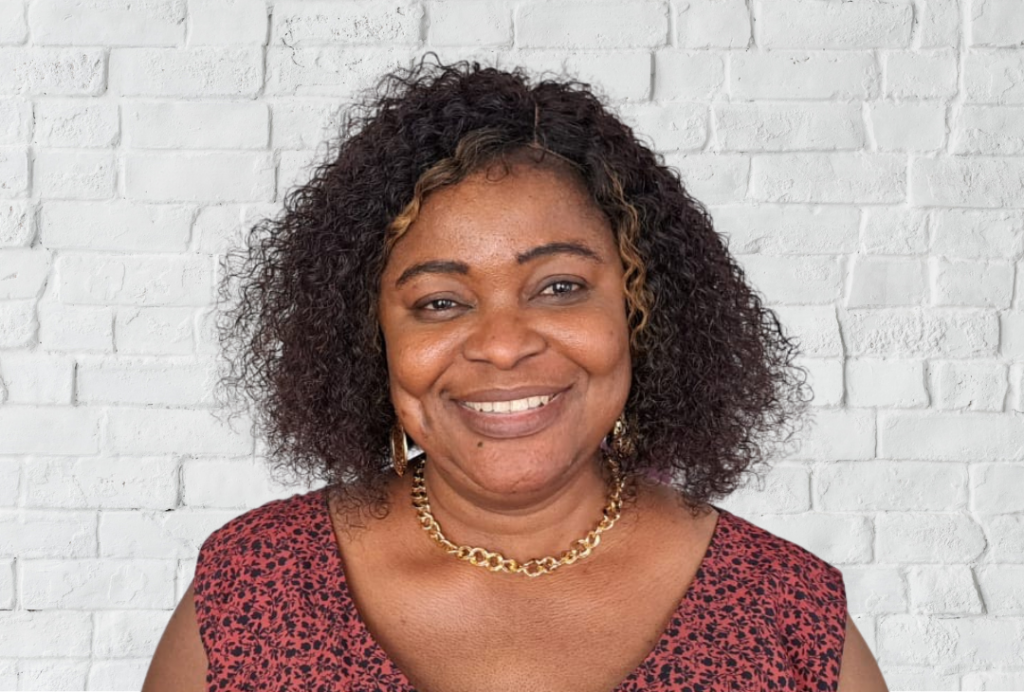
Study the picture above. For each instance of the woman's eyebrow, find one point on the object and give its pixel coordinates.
(433, 267)
(570, 248)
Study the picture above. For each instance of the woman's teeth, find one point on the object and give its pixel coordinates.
(513, 406)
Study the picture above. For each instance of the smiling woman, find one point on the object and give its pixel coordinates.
(498, 272)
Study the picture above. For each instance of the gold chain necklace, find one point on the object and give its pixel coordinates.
(496, 562)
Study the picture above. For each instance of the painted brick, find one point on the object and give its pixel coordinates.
(155, 331)
(36, 378)
(92, 278)
(349, 23)
(574, 24)
(117, 483)
(886, 281)
(304, 123)
(141, 534)
(938, 26)
(122, 673)
(173, 431)
(908, 126)
(137, 381)
(75, 328)
(491, 22)
(117, 226)
(838, 75)
(24, 273)
(107, 22)
(897, 486)
(989, 681)
(74, 174)
(798, 280)
(835, 538)
(13, 29)
(825, 377)
(816, 24)
(25, 635)
(1011, 327)
(17, 323)
(10, 481)
(907, 537)
(620, 75)
(784, 489)
(875, 589)
(995, 488)
(994, 76)
(943, 590)
(295, 168)
(712, 178)
(997, 23)
(17, 223)
(997, 130)
(45, 71)
(53, 673)
(949, 436)
(1002, 588)
(954, 645)
(228, 483)
(886, 383)
(227, 22)
(895, 231)
(907, 332)
(75, 123)
(670, 126)
(788, 229)
(788, 126)
(98, 584)
(979, 385)
(126, 633)
(970, 283)
(328, 70)
(684, 75)
(816, 328)
(29, 430)
(15, 118)
(199, 177)
(217, 229)
(1005, 533)
(197, 72)
(921, 74)
(837, 434)
(970, 234)
(13, 172)
(195, 125)
(42, 534)
(713, 23)
(828, 178)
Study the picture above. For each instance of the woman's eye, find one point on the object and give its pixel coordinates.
(438, 305)
(561, 288)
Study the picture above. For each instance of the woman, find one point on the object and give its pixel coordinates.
(499, 273)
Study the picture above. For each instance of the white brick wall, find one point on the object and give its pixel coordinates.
(865, 161)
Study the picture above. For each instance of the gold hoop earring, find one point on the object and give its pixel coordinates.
(622, 444)
(399, 449)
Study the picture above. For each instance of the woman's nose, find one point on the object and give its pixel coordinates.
(502, 337)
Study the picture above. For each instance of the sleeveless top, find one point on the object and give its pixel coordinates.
(275, 613)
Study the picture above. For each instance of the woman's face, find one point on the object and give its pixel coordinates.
(505, 326)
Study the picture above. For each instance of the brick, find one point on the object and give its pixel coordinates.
(837, 434)
(995, 488)
(107, 22)
(953, 645)
(174, 431)
(997, 23)
(958, 333)
(906, 537)
(788, 229)
(619, 75)
(971, 385)
(153, 331)
(990, 681)
(816, 24)
(815, 327)
(713, 24)
(1011, 329)
(118, 674)
(17, 224)
(825, 377)
(127, 633)
(1005, 533)
(304, 123)
(885, 383)
(492, 24)
(295, 168)
(908, 126)
(905, 332)
(17, 324)
(28, 430)
(26, 635)
(788, 127)
(831, 75)
(76, 123)
(118, 483)
(98, 584)
(994, 76)
(199, 177)
(10, 481)
(9, 673)
(949, 436)
(135, 381)
(196, 125)
(75, 328)
(997, 130)
(975, 181)
(875, 589)
(871, 486)
(938, 25)
(13, 29)
(670, 126)
(142, 534)
(688, 76)
(228, 483)
(217, 229)
(797, 280)
(971, 234)
(886, 281)
(783, 489)
(328, 70)
(13, 172)
(196, 72)
(92, 278)
(45, 71)
(74, 174)
(15, 118)
(117, 225)
(53, 673)
(227, 22)
(828, 178)
(943, 590)
(23, 273)
(1002, 588)
(28, 534)
(921, 74)
(712, 178)
(350, 23)
(970, 283)
(575, 24)
(835, 538)
(36, 378)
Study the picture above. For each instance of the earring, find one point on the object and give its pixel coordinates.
(622, 444)
(399, 449)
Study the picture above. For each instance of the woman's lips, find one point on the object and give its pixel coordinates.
(500, 423)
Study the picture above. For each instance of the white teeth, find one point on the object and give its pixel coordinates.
(513, 406)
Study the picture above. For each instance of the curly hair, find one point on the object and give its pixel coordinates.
(714, 388)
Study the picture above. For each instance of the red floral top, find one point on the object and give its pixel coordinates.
(274, 613)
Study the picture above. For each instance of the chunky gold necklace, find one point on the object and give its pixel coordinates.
(496, 562)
